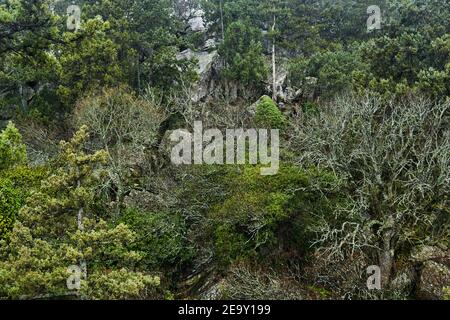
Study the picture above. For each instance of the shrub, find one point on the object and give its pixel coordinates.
(394, 156)
(11, 200)
(15, 186)
(12, 151)
(268, 115)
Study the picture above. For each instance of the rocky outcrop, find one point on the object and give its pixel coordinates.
(426, 253)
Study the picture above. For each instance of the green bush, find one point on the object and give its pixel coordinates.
(11, 200)
(160, 238)
(268, 115)
(266, 214)
(243, 55)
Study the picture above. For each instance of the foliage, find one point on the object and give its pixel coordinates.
(160, 237)
(364, 149)
(242, 52)
(15, 186)
(127, 126)
(266, 214)
(89, 60)
(394, 156)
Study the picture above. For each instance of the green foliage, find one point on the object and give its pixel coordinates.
(56, 230)
(11, 200)
(446, 292)
(268, 115)
(15, 186)
(333, 70)
(365, 178)
(12, 150)
(88, 60)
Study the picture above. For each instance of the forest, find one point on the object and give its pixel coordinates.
(93, 206)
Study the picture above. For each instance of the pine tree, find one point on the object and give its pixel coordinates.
(57, 229)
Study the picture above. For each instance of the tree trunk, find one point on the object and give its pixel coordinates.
(23, 99)
(83, 264)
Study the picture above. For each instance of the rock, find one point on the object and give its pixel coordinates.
(404, 282)
(214, 292)
(425, 253)
(310, 87)
(254, 107)
(196, 23)
(293, 95)
(434, 277)
(280, 81)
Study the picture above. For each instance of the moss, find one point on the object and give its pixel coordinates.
(446, 293)
(268, 115)
(12, 150)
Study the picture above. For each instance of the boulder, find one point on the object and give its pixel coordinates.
(404, 282)
(210, 44)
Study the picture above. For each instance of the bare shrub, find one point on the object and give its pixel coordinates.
(127, 127)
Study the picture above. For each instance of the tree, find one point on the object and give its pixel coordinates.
(394, 156)
(88, 59)
(27, 31)
(242, 54)
(58, 228)
(148, 37)
(127, 127)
